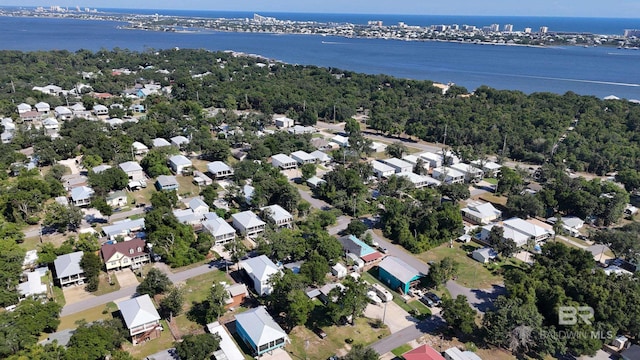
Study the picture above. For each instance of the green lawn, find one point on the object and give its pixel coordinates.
(492, 181)
(165, 341)
(105, 287)
(101, 312)
(401, 350)
(197, 288)
(471, 273)
(31, 243)
(187, 187)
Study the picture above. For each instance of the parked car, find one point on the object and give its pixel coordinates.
(435, 298)
(321, 334)
(384, 250)
(425, 300)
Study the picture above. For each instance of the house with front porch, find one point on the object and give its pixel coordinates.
(221, 231)
(81, 196)
(280, 216)
(260, 269)
(67, 269)
(141, 319)
(259, 331)
(219, 169)
(283, 162)
(133, 170)
(248, 223)
(125, 254)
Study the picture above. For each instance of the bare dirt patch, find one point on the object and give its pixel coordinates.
(76, 293)
(126, 278)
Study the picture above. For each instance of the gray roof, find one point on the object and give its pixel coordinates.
(381, 167)
(398, 269)
(278, 213)
(139, 146)
(321, 156)
(180, 160)
(179, 140)
(81, 193)
(261, 267)
(130, 166)
(217, 166)
(248, 219)
(218, 227)
(195, 203)
(302, 156)
(124, 226)
(100, 168)
(62, 337)
(138, 311)
(260, 326)
(167, 180)
(159, 142)
(283, 159)
(69, 264)
(397, 163)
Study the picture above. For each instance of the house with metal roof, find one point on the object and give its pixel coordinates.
(123, 228)
(321, 157)
(221, 231)
(67, 268)
(471, 173)
(179, 141)
(139, 148)
(484, 255)
(448, 175)
(283, 122)
(117, 199)
(260, 269)
(63, 113)
(456, 354)
(279, 215)
(201, 179)
(100, 110)
(179, 163)
(352, 245)
(283, 162)
(315, 181)
(434, 160)
(160, 142)
(382, 170)
(24, 108)
(133, 170)
(397, 274)
(219, 169)
(489, 168)
(141, 318)
(419, 181)
(81, 196)
(399, 166)
(228, 348)
(342, 141)
(259, 331)
(100, 168)
(248, 223)
(33, 286)
(167, 183)
(125, 254)
(42, 107)
(303, 157)
(481, 213)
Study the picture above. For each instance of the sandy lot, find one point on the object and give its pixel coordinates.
(76, 293)
(126, 278)
(277, 354)
(396, 318)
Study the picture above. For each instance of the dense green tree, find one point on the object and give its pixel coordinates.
(216, 302)
(308, 170)
(96, 340)
(356, 228)
(442, 271)
(397, 150)
(455, 192)
(62, 217)
(509, 181)
(91, 266)
(155, 282)
(458, 314)
(209, 194)
(361, 352)
(350, 302)
(108, 180)
(171, 305)
(166, 199)
(315, 268)
(197, 347)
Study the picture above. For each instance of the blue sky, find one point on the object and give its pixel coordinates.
(575, 8)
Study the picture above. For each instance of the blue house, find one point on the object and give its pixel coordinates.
(259, 331)
(397, 274)
(167, 183)
(353, 245)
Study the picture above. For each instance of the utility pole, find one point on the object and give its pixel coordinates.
(444, 147)
(334, 113)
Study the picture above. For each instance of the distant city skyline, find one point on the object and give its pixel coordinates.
(562, 8)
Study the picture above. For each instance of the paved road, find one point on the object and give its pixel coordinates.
(129, 291)
(407, 334)
(480, 299)
(315, 203)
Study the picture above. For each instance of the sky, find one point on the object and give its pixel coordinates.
(572, 8)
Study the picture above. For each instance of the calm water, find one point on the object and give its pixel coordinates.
(590, 71)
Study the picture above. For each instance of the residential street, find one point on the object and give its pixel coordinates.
(407, 334)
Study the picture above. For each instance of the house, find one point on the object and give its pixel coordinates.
(457, 354)
(248, 223)
(63, 113)
(448, 175)
(303, 157)
(114, 122)
(139, 108)
(100, 168)
(298, 129)
(424, 352)
(167, 183)
(247, 191)
(280, 216)
(133, 170)
(67, 269)
(434, 160)
(413, 160)
(30, 116)
(419, 181)
(284, 162)
(382, 170)
(489, 168)
(364, 252)
(51, 127)
(43, 108)
(201, 179)
(219, 170)
(74, 181)
(314, 181)
(77, 107)
(221, 231)
(338, 270)
(260, 269)
(125, 254)
(179, 141)
(342, 141)
(49, 90)
(228, 348)
(237, 294)
(33, 286)
(123, 228)
(188, 217)
(198, 206)
(100, 110)
(518, 230)
(81, 196)
(24, 108)
(139, 148)
(399, 166)
(259, 331)
(378, 147)
(117, 199)
(159, 142)
(471, 173)
(141, 318)
(481, 213)
(448, 157)
(284, 122)
(397, 274)
(321, 157)
(571, 224)
(179, 164)
(484, 255)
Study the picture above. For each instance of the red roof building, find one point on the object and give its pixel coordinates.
(424, 352)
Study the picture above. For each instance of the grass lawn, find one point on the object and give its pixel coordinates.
(101, 312)
(143, 195)
(197, 288)
(496, 200)
(492, 181)
(401, 350)
(104, 287)
(471, 273)
(30, 243)
(58, 296)
(362, 333)
(187, 187)
(165, 341)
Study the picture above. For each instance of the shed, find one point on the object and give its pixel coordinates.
(338, 270)
(484, 255)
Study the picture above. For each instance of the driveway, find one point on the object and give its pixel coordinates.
(277, 354)
(396, 318)
(75, 294)
(126, 278)
(481, 299)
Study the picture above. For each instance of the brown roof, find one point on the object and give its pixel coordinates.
(108, 250)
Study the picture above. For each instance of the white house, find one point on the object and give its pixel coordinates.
(63, 113)
(116, 199)
(381, 169)
(398, 165)
(484, 255)
(448, 175)
(100, 168)
(283, 162)
(248, 223)
(100, 110)
(160, 142)
(449, 158)
(123, 228)
(284, 122)
(221, 231)
(571, 224)
(419, 181)
(280, 216)
(198, 206)
(456, 354)
(518, 230)
(434, 160)
(489, 168)
(260, 332)
(378, 147)
(219, 169)
(67, 268)
(338, 270)
(228, 348)
(413, 160)
(33, 286)
(133, 170)
(139, 148)
(141, 318)
(179, 141)
(24, 108)
(321, 157)
(51, 127)
(201, 179)
(43, 107)
(260, 269)
(471, 173)
(179, 163)
(481, 213)
(303, 157)
(342, 141)
(81, 195)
